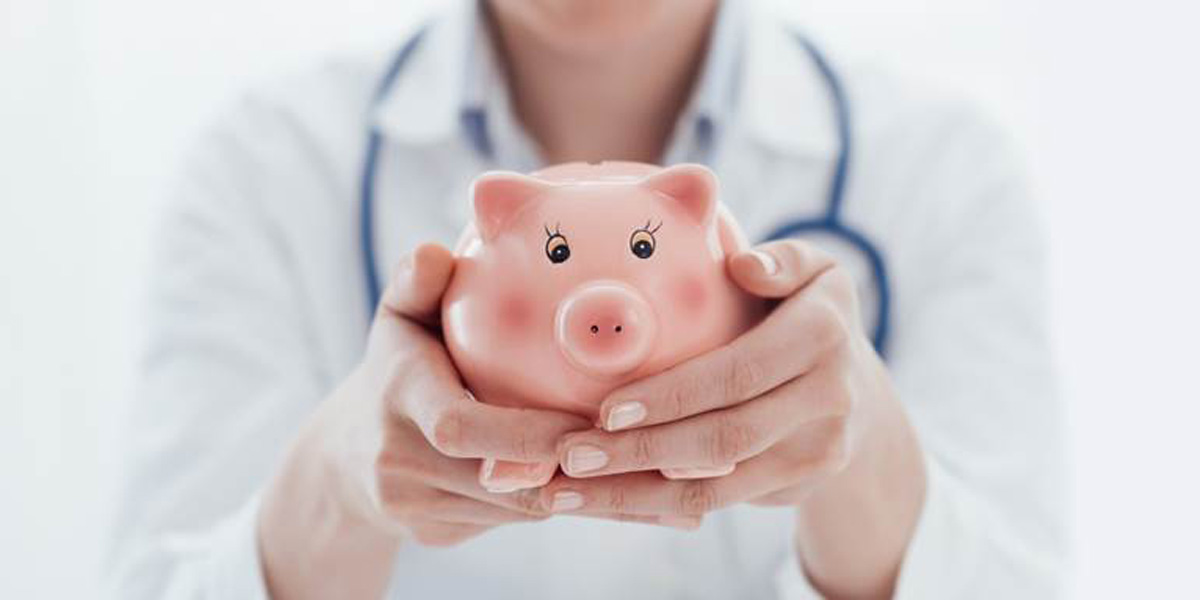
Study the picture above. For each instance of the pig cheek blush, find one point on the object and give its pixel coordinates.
(691, 294)
(514, 314)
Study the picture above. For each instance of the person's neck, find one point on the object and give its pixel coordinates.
(616, 102)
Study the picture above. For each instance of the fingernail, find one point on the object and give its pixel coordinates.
(625, 414)
(496, 486)
(769, 265)
(584, 458)
(566, 500)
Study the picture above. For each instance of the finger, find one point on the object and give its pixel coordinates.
(403, 502)
(409, 462)
(453, 508)
(424, 388)
(778, 269)
(501, 476)
(785, 345)
(528, 503)
(687, 523)
(649, 493)
(569, 501)
(453, 478)
(458, 425)
(427, 391)
(418, 282)
(711, 441)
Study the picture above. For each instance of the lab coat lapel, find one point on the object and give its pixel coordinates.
(776, 157)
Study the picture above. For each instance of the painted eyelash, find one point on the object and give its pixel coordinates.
(557, 230)
(647, 228)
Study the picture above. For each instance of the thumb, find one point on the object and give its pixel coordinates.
(417, 284)
(778, 269)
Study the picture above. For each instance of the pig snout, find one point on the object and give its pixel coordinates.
(605, 328)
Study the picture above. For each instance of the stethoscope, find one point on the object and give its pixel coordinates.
(830, 223)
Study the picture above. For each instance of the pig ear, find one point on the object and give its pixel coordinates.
(500, 195)
(693, 187)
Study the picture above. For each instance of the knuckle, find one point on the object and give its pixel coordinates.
(841, 285)
(676, 400)
(447, 434)
(697, 497)
(530, 503)
(730, 441)
(618, 499)
(797, 252)
(745, 378)
(825, 327)
(645, 448)
(521, 445)
(815, 260)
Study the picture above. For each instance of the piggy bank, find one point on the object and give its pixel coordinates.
(579, 278)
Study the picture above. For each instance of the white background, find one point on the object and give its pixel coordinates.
(96, 100)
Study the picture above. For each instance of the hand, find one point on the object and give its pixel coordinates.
(781, 403)
(800, 406)
(394, 454)
(402, 451)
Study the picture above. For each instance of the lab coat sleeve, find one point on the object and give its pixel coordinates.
(971, 362)
(226, 377)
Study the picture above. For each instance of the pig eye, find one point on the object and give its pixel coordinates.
(557, 249)
(641, 243)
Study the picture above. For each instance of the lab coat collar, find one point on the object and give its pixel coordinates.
(757, 72)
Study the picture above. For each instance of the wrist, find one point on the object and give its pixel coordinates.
(316, 535)
(885, 452)
(853, 530)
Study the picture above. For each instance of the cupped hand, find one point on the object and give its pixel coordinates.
(394, 454)
(414, 436)
(403, 451)
(765, 419)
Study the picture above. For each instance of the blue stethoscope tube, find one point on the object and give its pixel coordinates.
(829, 223)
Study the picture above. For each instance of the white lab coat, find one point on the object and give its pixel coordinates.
(258, 310)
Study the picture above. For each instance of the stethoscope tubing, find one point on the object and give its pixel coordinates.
(831, 222)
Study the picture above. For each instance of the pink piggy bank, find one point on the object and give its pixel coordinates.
(580, 278)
